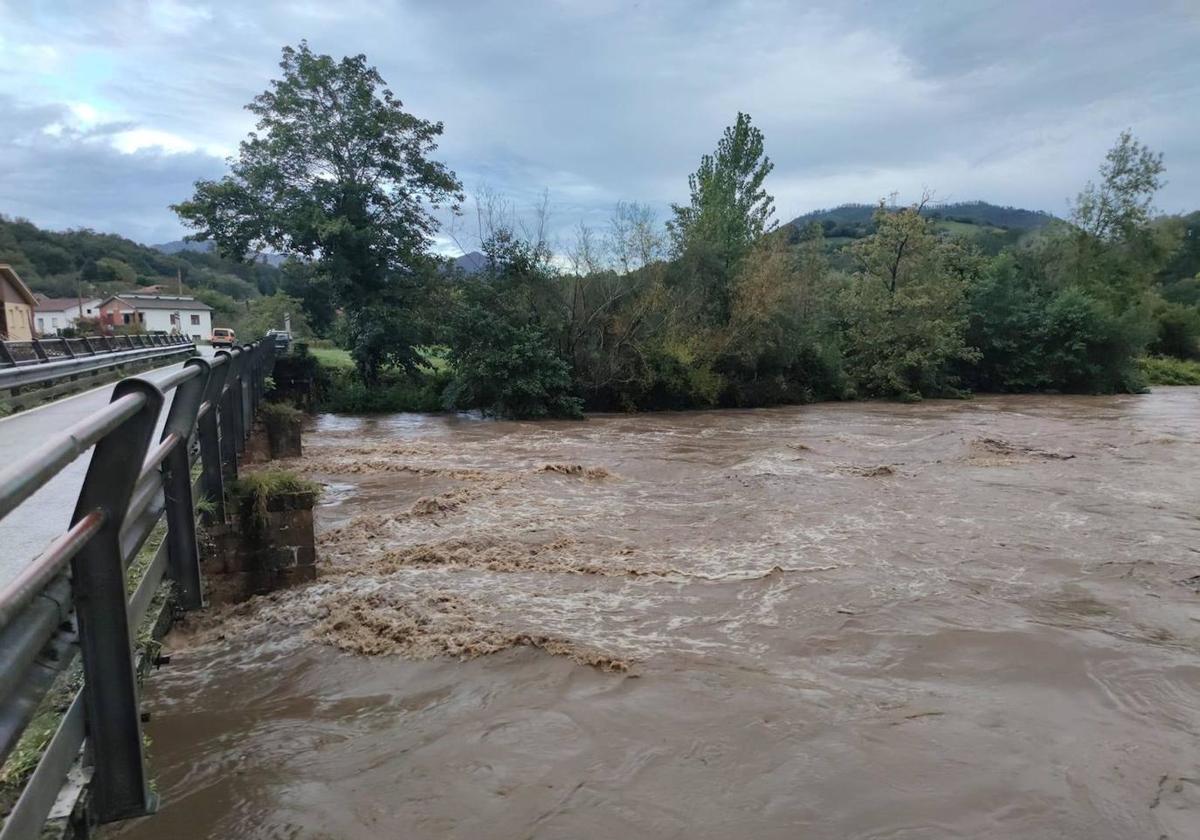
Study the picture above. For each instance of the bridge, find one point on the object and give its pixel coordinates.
(84, 483)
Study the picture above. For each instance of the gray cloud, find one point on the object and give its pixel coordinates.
(1013, 102)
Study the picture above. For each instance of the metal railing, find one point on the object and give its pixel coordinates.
(71, 599)
(46, 360)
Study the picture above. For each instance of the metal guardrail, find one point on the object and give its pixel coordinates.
(71, 599)
(44, 360)
(42, 350)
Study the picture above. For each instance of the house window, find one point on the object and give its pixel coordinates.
(195, 337)
(89, 312)
(126, 317)
(174, 319)
(41, 324)
(54, 323)
(141, 317)
(196, 321)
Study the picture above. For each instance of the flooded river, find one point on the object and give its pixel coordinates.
(947, 620)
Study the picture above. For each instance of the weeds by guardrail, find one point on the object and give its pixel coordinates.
(70, 601)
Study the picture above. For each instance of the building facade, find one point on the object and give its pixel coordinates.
(16, 316)
(53, 315)
(157, 314)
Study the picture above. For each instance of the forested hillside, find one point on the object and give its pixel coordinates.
(84, 262)
(990, 227)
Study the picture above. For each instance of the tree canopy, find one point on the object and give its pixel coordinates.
(339, 175)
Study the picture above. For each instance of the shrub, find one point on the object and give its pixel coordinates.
(341, 391)
(1167, 371)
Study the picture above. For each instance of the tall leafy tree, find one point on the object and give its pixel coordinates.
(729, 211)
(729, 207)
(1122, 202)
(339, 175)
(905, 311)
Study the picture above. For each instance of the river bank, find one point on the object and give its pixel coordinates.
(949, 619)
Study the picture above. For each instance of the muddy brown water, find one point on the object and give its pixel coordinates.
(955, 619)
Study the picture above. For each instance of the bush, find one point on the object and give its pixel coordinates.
(510, 371)
(1177, 331)
(1167, 371)
(340, 390)
(1090, 350)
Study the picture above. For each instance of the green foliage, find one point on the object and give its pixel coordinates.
(332, 357)
(1177, 330)
(267, 313)
(340, 390)
(1168, 371)
(500, 338)
(89, 264)
(1089, 348)
(226, 311)
(277, 413)
(1119, 206)
(904, 311)
(112, 270)
(729, 208)
(338, 176)
(253, 492)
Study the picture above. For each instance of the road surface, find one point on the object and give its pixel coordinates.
(46, 514)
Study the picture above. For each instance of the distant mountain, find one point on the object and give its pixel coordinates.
(183, 245)
(471, 263)
(854, 220)
(179, 245)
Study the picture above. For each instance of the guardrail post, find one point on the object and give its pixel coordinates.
(242, 398)
(119, 784)
(183, 557)
(212, 482)
(231, 415)
(39, 350)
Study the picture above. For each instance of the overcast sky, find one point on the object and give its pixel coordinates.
(113, 109)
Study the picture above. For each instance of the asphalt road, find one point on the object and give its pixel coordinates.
(47, 513)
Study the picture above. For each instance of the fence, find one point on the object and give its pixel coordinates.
(49, 360)
(71, 599)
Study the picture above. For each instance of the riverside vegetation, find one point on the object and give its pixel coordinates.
(721, 306)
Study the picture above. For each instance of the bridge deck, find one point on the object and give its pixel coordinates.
(47, 513)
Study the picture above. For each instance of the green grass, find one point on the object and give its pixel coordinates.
(340, 391)
(277, 413)
(332, 357)
(337, 359)
(254, 491)
(1163, 370)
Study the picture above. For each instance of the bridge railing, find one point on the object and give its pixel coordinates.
(72, 600)
(48, 360)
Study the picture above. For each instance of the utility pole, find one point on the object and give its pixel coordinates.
(179, 300)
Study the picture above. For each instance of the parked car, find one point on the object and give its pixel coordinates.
(283, 339)
(222, 337)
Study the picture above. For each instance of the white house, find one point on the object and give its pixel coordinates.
(52, 315)
(158, 313)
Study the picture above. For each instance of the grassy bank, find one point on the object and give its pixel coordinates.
(340, 390)
(1161, 370)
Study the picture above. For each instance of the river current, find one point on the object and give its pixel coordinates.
(973, 619)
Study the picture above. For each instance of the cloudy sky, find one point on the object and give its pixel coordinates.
(113, 108)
